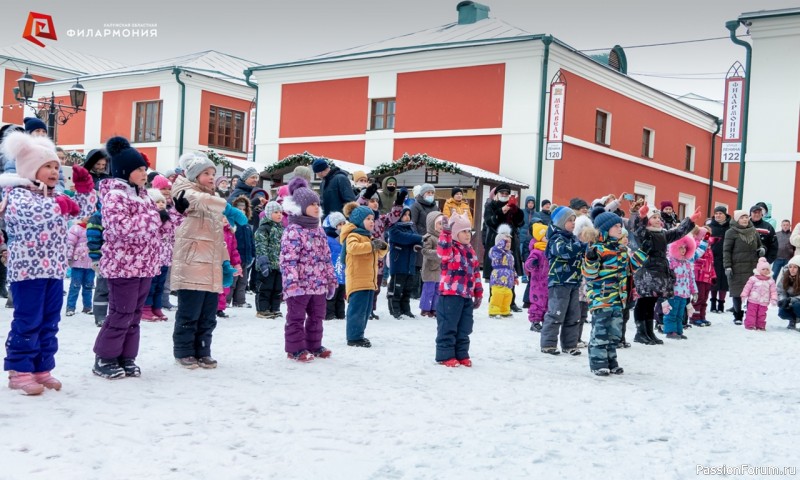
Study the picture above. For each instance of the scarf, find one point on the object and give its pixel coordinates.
(304, 221)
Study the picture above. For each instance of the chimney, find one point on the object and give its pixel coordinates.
(471, 12)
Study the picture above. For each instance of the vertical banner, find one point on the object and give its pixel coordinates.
(732, 123)
(555, 126)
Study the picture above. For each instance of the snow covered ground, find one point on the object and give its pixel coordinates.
(724, 396)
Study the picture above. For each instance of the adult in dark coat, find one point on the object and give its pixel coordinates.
(766, 231)
(740, 254)
(97, 162)
(335, 189)
(654, 279)
(245, 184)
(425, 203)
(717, 227)
(503, 210)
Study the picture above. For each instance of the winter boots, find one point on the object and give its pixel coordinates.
(650, 333)
(148, 315)
(130, 368)
(25, 383)
(108, 368)
(47, 380)
(641, 334)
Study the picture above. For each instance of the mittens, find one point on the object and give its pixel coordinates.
(67, 206)
(262, 263)
(666, 308)
(476, 303)
(82, 180)
(227, 274)
(164, 215)
(234, 215)
(370, 191)
(378, 244)
(331, 292)
(591, 254)
(643, 211)
(401, 197)
(417, 248)
(696, 216)
(181, 203)
(761, 251)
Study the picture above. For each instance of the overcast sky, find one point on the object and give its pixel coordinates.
(270, 31)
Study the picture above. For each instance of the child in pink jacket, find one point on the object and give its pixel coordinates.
(537, 268)
(760, 291)
(236, 260)
(82, 273)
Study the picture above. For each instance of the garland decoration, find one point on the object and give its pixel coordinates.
(299, 159)
(412, 162)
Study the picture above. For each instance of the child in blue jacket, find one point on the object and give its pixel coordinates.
(332, 225)
(404, 243)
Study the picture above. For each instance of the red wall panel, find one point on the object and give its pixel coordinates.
(450, 99)
(348, 151)
(332, 107)
(481, 151)
(118, 110)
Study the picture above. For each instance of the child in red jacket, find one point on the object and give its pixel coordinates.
(705, 276)
(236, 260)
(460, 292)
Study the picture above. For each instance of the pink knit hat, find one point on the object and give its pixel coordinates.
(160, 182)
(459, 223)
(762, 264)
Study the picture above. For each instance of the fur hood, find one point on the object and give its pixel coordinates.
(244, 199)
(687, 242)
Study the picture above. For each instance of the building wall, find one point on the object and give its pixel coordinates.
(333, 107)
(772, 169)
(118, 110)
(207, 99)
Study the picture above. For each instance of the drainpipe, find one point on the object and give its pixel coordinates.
(177, 72)
(732, 25)
(718, 122)
(546, 40)
(247, 74)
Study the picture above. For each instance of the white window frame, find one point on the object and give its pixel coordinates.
(724, 172)
(689, 200)
(651, 147)
(691, 158)
(647, 190)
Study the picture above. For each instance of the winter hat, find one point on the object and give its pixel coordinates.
(459, 223)
(302, 195)
(94, 156)
(415, 191)
(29, 152)
(151, 176)
(721, 208)
(653, 212)
(160, 182)
(220, 180)
(757, 207)
(455, 190)
(283, 191)
(249, 172)
(260, 191)
(561, 215)
(33, 123)
(578, 203)
(404, 210)
(425, 188)
(195, 163)
(737, 214)
(539, 234)
(124, 158)
(169, 173)
(359, 175)
(685, 241)
(666, 203)
(596, 211)
(503, 233)
(320, 165)
(155, 195)
(334, 219)
(795, 261)
(764, 206)
(762, 264)
(359, 214)
(545, 202)
(8, 128)
(503, 187)
(272, 207)
(605, 221)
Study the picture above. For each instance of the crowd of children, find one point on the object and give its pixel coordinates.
(130, 246)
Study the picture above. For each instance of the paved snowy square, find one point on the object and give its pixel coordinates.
(724, 396)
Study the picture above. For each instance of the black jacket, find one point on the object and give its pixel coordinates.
(768, 239)
(336, 191)
(493, 217)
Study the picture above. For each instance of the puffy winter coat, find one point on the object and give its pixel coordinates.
(231, 245)
(268, 244)
(681, 266)
(536, 267)
(740, 253)
(460, 268)
(402, 257)
(168, 230)
(493, 217)
(361, 264)
(704, 266)
(462, 208)
(768, 239)
(335, 191)
(38, 229)
(387, 198)
(760, 290)
(607, 275)
(419, 216)
(77, 247)
(716, 241)
(240, 189)
(431, 263)
(564, 253)
(131, 231)
(199, 242)
(655, 279)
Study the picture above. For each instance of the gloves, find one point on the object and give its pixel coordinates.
(181, 204)
(643, 211)
(761, 251)
(234, 215)
(666, 308)
(689, 311)
(227, 274)
(378, 244)
(417, 248)
(401, 197)
(82, 180)
(476, 303)
(591, 254)
(164, 216)
(67, 206)
(447, 225)
(262, 263)
(696, 216)
(707, 236)
(331, 292)
(370, 191)
(728, 272)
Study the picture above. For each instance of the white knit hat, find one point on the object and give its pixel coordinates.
(29, 153)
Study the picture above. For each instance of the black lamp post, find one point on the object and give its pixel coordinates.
(56, 112)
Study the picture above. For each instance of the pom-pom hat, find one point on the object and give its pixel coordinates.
(124, 158)
(29, 153)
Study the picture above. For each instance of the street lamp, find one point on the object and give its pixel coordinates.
(56, 112)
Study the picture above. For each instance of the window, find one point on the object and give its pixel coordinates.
(431, 175)
(681, 211)
(148, 122)
(226, 129)
(723, 172)
(689, 158)
(648, 139)
(382, 114)
(602, 128)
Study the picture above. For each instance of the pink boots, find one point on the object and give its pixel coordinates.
(150, 314)
(47, 380)
(159, 314)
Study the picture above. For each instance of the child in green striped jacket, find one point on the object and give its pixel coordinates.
(606, 268)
